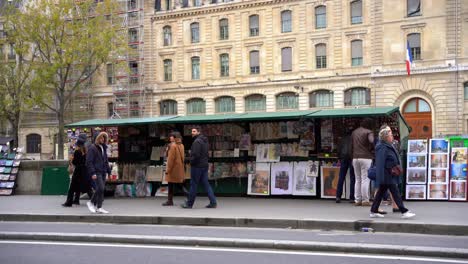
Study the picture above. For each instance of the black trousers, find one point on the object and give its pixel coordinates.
(171, 188)
(395, 193)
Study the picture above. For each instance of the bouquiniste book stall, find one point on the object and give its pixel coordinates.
(265, 154)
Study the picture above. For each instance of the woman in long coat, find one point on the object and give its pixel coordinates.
(386, 158)
(175, 171)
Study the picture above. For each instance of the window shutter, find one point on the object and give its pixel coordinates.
(356, 49)
(253, 21)
(414, 40)
(320, 50)
(368, 97)
(312, 99)
(356, 9)
(347, 97)
(254, 59)
(157, 5)
(286, 63)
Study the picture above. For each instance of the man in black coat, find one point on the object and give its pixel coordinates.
(199, 169)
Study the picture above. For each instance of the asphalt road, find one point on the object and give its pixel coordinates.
(242, 233)
(38, 252)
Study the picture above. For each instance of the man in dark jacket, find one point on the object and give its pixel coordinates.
(346, 160)
(97, 164)
(199, 169)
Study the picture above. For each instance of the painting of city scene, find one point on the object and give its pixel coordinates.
(439, 161)
(415, 176)
(439, 146)
(416, 192)
(458, 190)
(457, 171)
(459, 155)
(417, 146)
(438, 176)
(329, 181)
(259, 182)
(416, 161)
(437, 191)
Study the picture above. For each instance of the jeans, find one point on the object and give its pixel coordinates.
(395, 194)
(361, 166)
(345, 165)
(199, 175)
(98, 196)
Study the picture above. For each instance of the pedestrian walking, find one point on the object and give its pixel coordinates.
(175, 168)
(363, 148)
(388, 172)
(346, 163)
(199, 169)
(79, 180)
(97, 164)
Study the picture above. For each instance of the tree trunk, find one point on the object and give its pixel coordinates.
(60, 134)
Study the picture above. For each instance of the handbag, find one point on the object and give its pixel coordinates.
(396, 170)
(372, 172)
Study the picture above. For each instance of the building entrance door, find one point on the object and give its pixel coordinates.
(417, 113)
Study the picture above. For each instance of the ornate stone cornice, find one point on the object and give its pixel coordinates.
(422, 70)
(285, 40)
(357, 34)
(256, 43)
(163, 15)
(194, 50)
(413, 28)
(320, 38)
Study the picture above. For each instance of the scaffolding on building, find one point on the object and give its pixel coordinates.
(128, 90)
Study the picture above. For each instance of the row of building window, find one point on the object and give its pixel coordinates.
(414, 8)
(257, 102)
(414, 41)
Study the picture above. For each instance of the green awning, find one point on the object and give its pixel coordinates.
(267, 116)
(120, 122)
(200, 119)
(354, 112)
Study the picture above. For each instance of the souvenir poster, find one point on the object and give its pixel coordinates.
(307, 141)
(438, 176)
(416, 161)
(302, 184)
(326, 134)
(259, 182)
(438, 161)
(458, 190)
(416, 192)
(313, 168)
(418, 146)
(281, 178)
(458, 164)
(437, 191)
(244, 142)
(439, 146)
(329, 182)
(416, 176)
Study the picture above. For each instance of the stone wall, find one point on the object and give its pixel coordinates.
(29, 179)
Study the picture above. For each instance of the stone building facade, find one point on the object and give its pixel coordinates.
(214, 57)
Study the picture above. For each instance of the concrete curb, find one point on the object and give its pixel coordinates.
(243, 243)
(394, 227)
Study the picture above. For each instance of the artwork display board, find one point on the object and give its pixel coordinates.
(303, 184)
(437, 188)
(9, 166)
(329, 182)
(416, 171)
(259, 182)
(458, 171)
(282, 178)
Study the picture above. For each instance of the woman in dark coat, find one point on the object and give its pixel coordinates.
(79, 181)
(386, 158)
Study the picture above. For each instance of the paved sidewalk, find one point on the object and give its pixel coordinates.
(432, 217)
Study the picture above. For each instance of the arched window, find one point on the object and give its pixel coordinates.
(167, 70)
(223, 29)
(195, 68)
(195, 106)
(255, 102)
(33, 143)
(321, 56)
(416, 105)
(254, 62)
(356, 53)
(321, 98)
(357, 96)
(195, 32)
(224, 64)
(287, 100)
(168, 107)
(225, 104)
(414, 42)
(356, 12)
(320, 17)
(167, 34)
(254, 25)
(286, 23)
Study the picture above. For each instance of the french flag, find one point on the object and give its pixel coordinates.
(409, 58)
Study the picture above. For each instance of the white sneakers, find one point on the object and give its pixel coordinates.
(376, 215)
(101, 211)
(408, 215)
(93, 209)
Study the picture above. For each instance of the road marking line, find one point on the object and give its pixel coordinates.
(280, 252)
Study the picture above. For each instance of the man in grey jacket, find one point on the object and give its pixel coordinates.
(363, 153)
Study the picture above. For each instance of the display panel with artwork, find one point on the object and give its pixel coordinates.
(458, 190)
(437, 192)
(418, 146)
(417, 161)
(439, 146)
(281, 178)
(302, 183)
(438, 176)
(439, 161)
(329, 182)
(259, 182)
(416, 192)
(416, 176)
